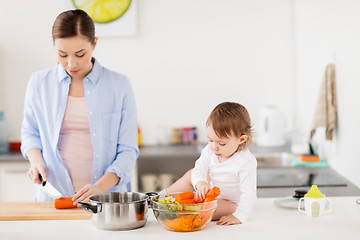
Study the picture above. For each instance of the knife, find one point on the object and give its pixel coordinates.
(49, 189)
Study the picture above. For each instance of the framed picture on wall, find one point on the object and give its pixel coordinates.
(113, 18)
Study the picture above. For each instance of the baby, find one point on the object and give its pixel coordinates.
(225, 162)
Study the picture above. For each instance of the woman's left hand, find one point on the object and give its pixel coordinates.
(84, 194)
(228, 220)
(104, 184)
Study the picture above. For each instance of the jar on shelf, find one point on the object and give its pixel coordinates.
(176, 136)
(4, 141)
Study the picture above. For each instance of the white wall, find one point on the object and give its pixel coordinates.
(191, 55)
(188, 56)
(25, 46)
(328, 31)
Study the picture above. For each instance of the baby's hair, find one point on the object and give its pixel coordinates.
(231, 119)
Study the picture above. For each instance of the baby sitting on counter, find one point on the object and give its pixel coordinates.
(225, 162)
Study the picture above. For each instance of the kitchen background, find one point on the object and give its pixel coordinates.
(188, 56)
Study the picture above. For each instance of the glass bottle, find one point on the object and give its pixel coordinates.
(4, 142)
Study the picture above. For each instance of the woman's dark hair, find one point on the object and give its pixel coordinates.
(73, 23)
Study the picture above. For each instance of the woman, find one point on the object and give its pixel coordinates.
(80, 126)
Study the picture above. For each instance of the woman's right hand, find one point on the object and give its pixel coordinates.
(37, 166)
(34, 172)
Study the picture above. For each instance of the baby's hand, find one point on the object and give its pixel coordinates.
(202, 189)
(228, 220)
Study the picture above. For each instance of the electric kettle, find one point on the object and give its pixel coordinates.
(271, 128)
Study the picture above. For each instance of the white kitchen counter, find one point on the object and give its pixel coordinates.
(267, 221)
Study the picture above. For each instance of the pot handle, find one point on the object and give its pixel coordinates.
(151, 195)
(90, 207)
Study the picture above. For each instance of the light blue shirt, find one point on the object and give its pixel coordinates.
(112, 119)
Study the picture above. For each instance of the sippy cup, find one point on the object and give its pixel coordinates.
(315, 203)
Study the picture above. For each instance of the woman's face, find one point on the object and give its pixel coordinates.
(74, 54)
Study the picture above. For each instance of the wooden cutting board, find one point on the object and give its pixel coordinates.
(13, 211)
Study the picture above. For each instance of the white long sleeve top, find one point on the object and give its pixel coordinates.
(236, 178)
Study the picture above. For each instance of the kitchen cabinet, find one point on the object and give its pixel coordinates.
(166, 159)
(15, 185)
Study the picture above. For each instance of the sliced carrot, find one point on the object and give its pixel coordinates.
(185, 223)
(186, 201)
(181, 224)
(198, 200)
(184, 195)
(208, 199)
(214, 192)
(62, 203)
(206, 214)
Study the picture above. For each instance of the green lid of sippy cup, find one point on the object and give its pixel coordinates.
(314, 192)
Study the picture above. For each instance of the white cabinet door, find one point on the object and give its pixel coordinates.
(15, 185)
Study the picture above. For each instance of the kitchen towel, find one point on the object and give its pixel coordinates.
(322, 164)
(326, 108)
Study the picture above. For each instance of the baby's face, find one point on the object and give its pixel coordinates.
(224, 148)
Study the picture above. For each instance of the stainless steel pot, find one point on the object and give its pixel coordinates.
(118, 210)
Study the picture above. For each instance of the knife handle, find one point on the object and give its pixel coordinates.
(41, 180)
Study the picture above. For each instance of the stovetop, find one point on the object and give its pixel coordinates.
(298, 177)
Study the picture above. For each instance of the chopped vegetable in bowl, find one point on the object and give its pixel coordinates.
(185, 216)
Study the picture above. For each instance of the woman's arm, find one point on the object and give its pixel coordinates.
(127, 140)
(108, 181)
(30, 134)
(37, 165)
(31, 146)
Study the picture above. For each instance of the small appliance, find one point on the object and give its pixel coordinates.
(271, 127)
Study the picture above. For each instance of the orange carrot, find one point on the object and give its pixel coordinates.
(186, 201)
(198, 200)
(62, 203)
(180, 224)
(208, 199)
(184, 195)
(206, 214)
(214, 192)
